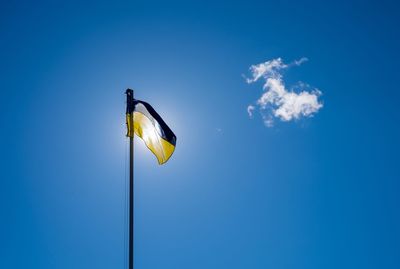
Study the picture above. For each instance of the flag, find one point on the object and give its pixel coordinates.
(144, 121)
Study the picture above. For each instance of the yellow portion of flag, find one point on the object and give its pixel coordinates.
(145, 129)
(129, 123)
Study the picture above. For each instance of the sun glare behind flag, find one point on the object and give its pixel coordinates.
(144, 121)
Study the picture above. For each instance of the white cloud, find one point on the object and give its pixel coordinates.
(267, 69)
(276, 100)
(250, 110)
(300, 61)
(294, 105)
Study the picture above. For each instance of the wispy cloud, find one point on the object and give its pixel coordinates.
(277, 101)
(250, 110)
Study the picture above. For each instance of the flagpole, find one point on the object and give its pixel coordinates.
(129, 95)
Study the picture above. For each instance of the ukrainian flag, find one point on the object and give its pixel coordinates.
(144, 121)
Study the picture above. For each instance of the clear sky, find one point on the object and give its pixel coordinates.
(315, 192)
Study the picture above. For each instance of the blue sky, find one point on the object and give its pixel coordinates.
(316, 192)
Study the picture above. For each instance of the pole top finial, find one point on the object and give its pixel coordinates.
(129, 92)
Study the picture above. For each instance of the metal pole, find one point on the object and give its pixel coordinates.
(131, 179)
(131, 203)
